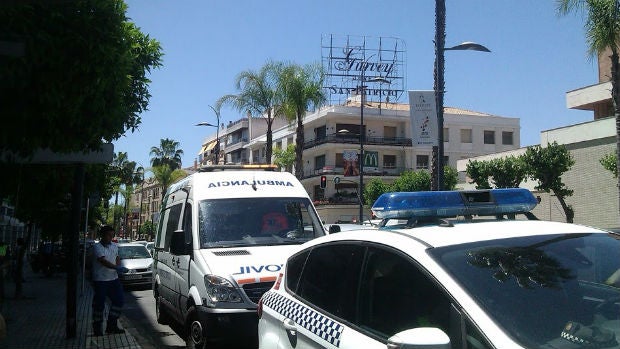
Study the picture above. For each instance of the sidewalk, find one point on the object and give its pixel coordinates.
(39, 320)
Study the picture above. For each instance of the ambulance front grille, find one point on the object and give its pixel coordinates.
(231, 253)
(256, 290)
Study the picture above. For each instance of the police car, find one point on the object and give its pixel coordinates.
(486, 279)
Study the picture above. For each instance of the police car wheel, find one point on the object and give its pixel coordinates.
(195, 332)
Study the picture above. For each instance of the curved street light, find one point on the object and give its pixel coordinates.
(217, 133)
(440, 36)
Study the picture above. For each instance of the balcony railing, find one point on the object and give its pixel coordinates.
(355, 139)
(372, 171)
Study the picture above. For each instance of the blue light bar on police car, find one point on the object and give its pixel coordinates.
(454, 203)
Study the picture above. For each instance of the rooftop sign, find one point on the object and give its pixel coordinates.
(374, 65)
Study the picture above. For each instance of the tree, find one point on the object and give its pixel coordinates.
(412, 181)
(285, 158)
(165, 176)
(507, 172)
(546, 165)
(602, 33)
(258, 95)
(302, 89)
(450, 178)
(82, 78)
(479, 172)
(610, 163)
(373, 189)
(168, 153)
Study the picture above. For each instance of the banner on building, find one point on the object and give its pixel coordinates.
(423, 113)
(351, 167)
(371, 161)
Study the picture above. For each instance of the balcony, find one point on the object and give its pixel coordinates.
(355, 139)
(368, 172)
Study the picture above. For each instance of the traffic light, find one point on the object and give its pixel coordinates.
(323, 182)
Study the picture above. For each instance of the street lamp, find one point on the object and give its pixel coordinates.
(362, 90)
(440, 36)
(217, 133)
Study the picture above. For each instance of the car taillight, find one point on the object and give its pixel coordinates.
(276, 285)
(259, 309)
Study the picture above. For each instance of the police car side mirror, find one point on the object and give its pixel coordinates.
(178, 245)
(421, 337)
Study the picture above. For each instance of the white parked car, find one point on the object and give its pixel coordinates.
(139, 262)
(435, 282)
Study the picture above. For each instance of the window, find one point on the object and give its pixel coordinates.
(278, 145)
(320, 132)
(389, 131)
(328, 276)
(399, 296)
(466, 135)
(507, 138)
(446, 135)
(319, 162)
(339, 160)
(421, 162)
(389, 161)
(489, 137)
(169, 224)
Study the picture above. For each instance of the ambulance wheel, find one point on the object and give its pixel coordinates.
(195, 337)
(160, 312)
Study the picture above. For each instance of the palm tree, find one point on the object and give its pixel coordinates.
(302, 89)
(123, 172)
(258, 95)
(165, 176)
(168, 153)
(602, 33)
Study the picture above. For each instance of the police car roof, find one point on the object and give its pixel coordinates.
(459, 233)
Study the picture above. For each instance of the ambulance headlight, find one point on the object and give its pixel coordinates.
(220, 290)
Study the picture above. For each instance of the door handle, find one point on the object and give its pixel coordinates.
(291, 331)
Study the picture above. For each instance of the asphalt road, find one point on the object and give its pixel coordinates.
(139, 310)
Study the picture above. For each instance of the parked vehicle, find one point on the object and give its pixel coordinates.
(139, 262)
(223, 237)
(432, 281)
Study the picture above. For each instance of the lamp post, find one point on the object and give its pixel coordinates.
(362, 90)
(440, 36)
(217, 133)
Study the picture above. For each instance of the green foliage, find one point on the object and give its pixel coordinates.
(285, 158)
(610, 163)
(479, 172)
(302, 89)
(166, 176)
(507, 172)
(450, 178)
(546, 165)
(373, 189)
(259, 95)
(82, 77)
(147, 228)
(168, 153)
(412, 181)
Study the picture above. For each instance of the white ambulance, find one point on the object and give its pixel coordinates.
(223, 236)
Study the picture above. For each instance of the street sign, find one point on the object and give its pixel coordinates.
(336, 180)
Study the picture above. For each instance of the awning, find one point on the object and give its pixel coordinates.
(207, 147)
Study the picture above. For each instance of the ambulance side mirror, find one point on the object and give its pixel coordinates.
(178, 246)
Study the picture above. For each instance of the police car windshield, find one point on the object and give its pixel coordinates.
(257, 221)
(538, 288)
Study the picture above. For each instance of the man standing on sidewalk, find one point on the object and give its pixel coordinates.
(106, 267)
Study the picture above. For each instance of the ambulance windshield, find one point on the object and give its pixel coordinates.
(257, 221)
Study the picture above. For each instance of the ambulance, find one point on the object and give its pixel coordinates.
(223, 236)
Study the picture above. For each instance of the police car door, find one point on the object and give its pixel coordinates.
(324, 311)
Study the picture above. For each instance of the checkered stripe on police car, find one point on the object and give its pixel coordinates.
(324, 327)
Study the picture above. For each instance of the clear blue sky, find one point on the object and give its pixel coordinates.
(536, 57)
